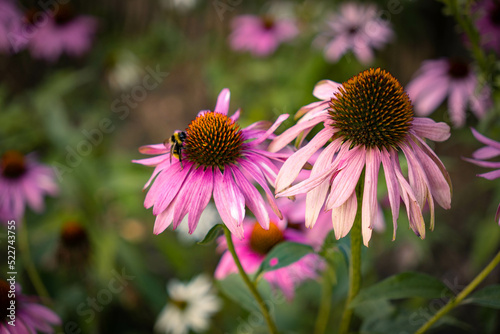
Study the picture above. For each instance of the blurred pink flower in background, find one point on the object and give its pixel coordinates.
(369, 120)
(219, 159)
(257, 243)
(61, 32)
(29, 316)
(261, 36)
(11, 19)
(23, 181)
(491, 150)
(357, 28)
(441, 78)
(488, 23)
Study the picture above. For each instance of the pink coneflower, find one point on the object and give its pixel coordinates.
(23, 180)
(369, 120)
(261, 36)
(218, 158)
(357, 28)
(491, 150)
(441, 78)
(257, 243)
(488, 24)
(10, 27)
(27, 316)
(61, 32)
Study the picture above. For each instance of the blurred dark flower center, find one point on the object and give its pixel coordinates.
(213, 139)
(268, 22)
(63, 15)
(13, 165)
(372, 109)
(458, 69)
(73, 235)
(353, 30)
(180, 304)
(262, 241)
(495, 14)
(4, 299)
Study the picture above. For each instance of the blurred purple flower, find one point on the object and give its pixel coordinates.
(61, 32)
(488, 23)
(257, 243)
(23, 180)
(218, 158)
(356, 145)
(11, 19)
(441, 78)
(30, 317)
(357, 28)
(261, 36)
(491, 150)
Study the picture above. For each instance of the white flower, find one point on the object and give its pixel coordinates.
(190, 306)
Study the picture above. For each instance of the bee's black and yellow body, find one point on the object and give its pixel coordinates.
(176, 143)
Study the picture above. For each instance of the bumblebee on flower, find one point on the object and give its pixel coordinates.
(214, 157)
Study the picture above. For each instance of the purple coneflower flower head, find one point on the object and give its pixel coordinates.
(488, 24)
(258, 242)
(23, 181)
(441, 78)
(356, 28)
(190, 306)
(369, 121)
(219, 158)
(480, 157)
(61, 32)
(28, 316)
(261, 36)
(11, 19)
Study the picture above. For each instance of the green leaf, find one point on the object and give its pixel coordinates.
(284, 254)
(211, 235)
(403, 286)
(489, 297)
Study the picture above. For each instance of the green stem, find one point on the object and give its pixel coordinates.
(326, 302)
(465, 292)
(29, 265)
(355, 263)
(249, 284)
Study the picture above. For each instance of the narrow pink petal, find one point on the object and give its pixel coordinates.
(485, 140)
(186, 194)
(292, 167)
(457, 103)
(222, 105)
(253, 199)
(200, 202)
(343, 216)
(490, 175)
(431, 97)
(156, 171)
(153, 149)
(256, 173)
(417, 182)
(311, 108)
(271, 130)
(166, 186)
(325, 89)
(236, 115)
(438, 184)
(427, 128)
(485, 153)
(392, 188)
(316, 197)
(370, 203)
(347, 178)
(229, 201)
(154, 161)
(487, 164)
(164, 219)
(497, 216)
(290, 134)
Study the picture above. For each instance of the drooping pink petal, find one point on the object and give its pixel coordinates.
(457, 103)
(485, 153)
(392, 187)
(200, 201)
(166, 186)
(153, 149)
(343, 216)
(229, 201)
(490, 175)
(427, 128)
(370, 203)
(485, 140)
(164, 219)
(253, 199)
